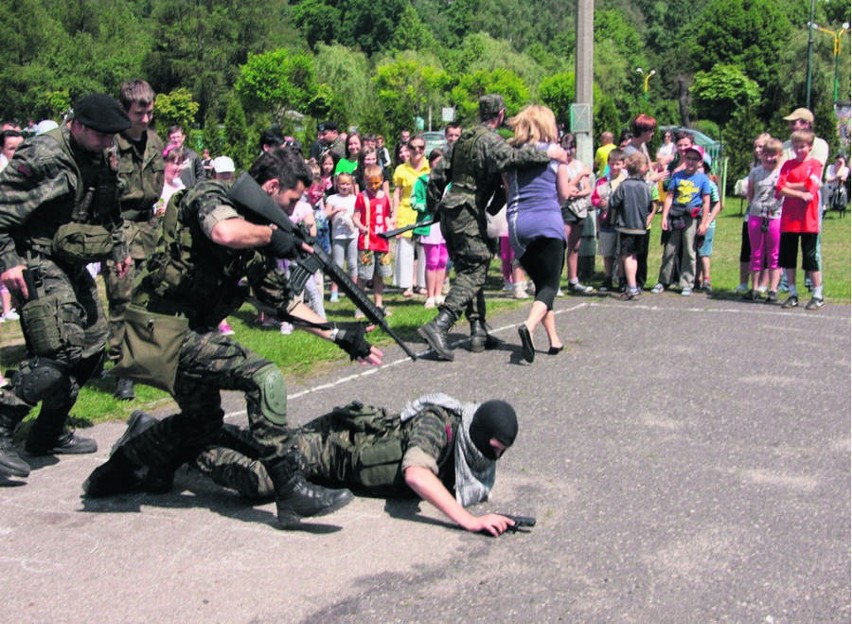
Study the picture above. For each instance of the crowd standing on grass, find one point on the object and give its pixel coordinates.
(176, 238)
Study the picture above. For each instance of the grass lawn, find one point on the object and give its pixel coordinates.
(301, 355)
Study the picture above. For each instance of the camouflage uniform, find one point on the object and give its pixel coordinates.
(210, 362)
(336, 452)
(473, 166)
(140, 175)
(40, 190)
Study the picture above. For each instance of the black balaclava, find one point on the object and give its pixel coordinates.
(493, 419)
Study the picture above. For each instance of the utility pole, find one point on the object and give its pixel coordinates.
(581, 111)
(810, 56)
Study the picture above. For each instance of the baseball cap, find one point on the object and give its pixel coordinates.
(698, 150)
(223, 164)
(800, 113)
(45, 125)
(490, 105)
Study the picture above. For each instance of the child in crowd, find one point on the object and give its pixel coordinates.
(705, 243)
(303, 212)
(607, 235)
(372, 217)
(745, 244)
(339, 208)
(764, 219)
(631, 210)
(685, 213)
(434, 245)
(798, 184)
(326, 163)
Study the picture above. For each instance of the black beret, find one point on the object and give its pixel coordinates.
(326, 125)
(102, 113)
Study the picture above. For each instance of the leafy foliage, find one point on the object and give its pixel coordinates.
(720, 92)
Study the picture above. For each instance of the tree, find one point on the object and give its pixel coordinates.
(412, 33)
(370, 24)
(345, 90)
(237, 144)
(465, 95)
(406, 85)
(318, 21)
(175, 108)
(277, 81)
(720, 92)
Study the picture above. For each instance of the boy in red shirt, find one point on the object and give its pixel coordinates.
(372, 217)
(798, 185)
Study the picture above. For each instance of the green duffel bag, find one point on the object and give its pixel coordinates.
(151, 349)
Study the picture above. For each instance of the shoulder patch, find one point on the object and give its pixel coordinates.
(24, 170)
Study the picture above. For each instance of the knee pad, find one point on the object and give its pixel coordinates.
(273, 394)
(41, 378)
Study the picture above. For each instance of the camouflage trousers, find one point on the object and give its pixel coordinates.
(464, 229)
(54, 375)
(210, 362)
(326, 449)
(142, 241)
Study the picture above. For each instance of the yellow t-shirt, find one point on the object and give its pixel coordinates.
(404, 178)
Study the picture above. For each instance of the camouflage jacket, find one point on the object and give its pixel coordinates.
(140, 175)
(473, 167)
(192, 276)
(39, 189)
(140, 179)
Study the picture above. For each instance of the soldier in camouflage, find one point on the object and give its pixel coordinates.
(58, 212)
(437, 448)
(473, 166)
(139, 152)
(208, 247)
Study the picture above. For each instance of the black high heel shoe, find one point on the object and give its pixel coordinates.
(526, 344)
(555, 350)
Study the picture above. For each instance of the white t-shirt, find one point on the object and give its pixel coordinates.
(341, 222)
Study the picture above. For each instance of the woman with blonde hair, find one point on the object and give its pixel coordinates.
(536, 231)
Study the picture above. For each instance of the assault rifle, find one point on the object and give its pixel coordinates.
(250, 196)
(407, 228)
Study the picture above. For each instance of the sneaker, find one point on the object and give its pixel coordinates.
(225, 329)
(520, 292)
(791, 302)
(755, 295)
(11, 315)
(706, 287)
(286, 328)
(334, 297)
(630, 294)
(430, 303)
(657, 289)
(686, 292)
(440, 299)
(741, 289)
(815, 303)
(771, 297)
(581, 289)
(606, 286)
(559, 292)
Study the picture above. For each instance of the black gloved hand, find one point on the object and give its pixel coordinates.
(350, 338)
(283, 245)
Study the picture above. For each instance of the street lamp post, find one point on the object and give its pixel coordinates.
(838, 44)
(646, 79)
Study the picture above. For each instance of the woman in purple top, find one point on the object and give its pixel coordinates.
(536, 229)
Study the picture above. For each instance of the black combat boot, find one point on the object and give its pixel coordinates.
(11, 464)
(295, 498)
(480, 339)
(117, 476)
(124, 390)
(436, 333)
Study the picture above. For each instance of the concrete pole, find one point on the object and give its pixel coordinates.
(584, 75)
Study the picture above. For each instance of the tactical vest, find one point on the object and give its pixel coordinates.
(86, 233)
(189, 275)
(379, 440)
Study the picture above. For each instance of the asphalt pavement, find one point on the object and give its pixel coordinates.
(687, 459)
